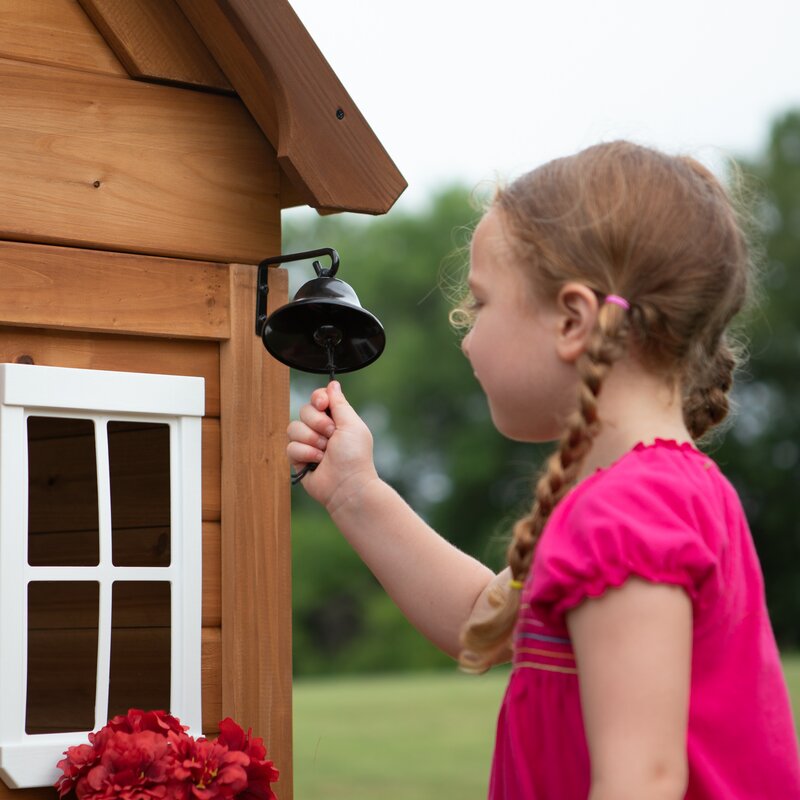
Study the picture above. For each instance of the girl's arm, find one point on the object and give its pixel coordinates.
(633, 648)
(433, 583)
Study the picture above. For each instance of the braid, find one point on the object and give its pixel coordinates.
(483, 639)
(706, 403)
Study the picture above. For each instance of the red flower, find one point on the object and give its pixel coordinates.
(147, 755)
(210, 770)
(133, 766)
(157, 721)
(78, 761)
(260, 771)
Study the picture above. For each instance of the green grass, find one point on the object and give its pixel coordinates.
(416, 735)
(424, 736)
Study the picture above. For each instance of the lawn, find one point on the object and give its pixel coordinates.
(415, 735)
(424, 736)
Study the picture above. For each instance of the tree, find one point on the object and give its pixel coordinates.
(761, 456)
(434, 440)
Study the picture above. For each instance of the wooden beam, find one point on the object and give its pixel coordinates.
(88, 290)
(122, 353)
(324, 144)
(154, 40)
(55, 32)
(256, 551)
(113, 164)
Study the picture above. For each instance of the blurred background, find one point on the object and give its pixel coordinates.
(463, 95)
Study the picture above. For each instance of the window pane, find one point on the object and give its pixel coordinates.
(140, 646)
(62, 655)
(140, 494)
(62, 493)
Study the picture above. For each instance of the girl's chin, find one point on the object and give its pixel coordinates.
(521, 430)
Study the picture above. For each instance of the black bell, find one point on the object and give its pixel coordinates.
(324, 329)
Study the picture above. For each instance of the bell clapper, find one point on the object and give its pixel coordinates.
(328, 336)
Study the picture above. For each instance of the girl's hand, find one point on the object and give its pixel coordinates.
(340, 444)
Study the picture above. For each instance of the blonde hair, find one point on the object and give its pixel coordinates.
(660, 231)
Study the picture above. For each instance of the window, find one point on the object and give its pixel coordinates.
(100, 556)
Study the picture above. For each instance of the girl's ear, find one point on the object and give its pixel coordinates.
(577, 307)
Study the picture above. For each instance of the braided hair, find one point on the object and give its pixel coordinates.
(660, 231)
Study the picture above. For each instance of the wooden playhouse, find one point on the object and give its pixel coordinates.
(147, 148)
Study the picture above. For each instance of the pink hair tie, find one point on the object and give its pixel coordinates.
(618, 301)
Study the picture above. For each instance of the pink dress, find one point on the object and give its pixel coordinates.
(663, 512)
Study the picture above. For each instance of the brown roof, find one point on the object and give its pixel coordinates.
(260, 50)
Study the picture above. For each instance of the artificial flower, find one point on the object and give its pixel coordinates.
(148, 755)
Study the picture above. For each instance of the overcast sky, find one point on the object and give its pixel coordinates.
(472, 91)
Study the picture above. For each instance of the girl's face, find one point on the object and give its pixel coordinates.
(512, 343)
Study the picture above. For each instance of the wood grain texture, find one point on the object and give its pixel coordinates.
(89, 290)
(61, 546)
(211, 680)
(55, 32)
(82, 644)
(62, 482)
(154, 40)
(256, 549)
(324, 144)
(114, 164)
(212, 465)
(121, 353)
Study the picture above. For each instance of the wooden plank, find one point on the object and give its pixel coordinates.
(62, 484)
(61, 679)
(212, 467)
(55, 32)
(53, 705)
(114, 164)
(212, 577)
(87, 290)
(155, 41)
(45, 793)
(211, 680)
(139, 672)
(256, 551)
(324, 144)
(121, 353)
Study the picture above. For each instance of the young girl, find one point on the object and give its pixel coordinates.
(632, 609)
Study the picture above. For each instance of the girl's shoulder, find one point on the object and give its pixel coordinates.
(663, 511)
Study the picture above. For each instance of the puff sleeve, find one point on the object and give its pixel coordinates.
(654, 525)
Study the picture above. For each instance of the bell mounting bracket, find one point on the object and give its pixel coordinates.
(262, 288)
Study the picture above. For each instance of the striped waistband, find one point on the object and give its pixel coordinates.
(536, 650)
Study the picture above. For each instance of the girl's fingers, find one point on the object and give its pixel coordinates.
(319, 399)
(317, 420)
(300, 432)
(300, 454)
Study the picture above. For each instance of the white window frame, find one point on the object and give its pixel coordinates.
(28, 760)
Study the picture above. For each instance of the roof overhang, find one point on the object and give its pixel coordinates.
(260, 50)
